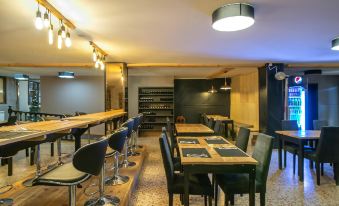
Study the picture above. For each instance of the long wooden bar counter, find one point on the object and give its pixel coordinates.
(11, 134)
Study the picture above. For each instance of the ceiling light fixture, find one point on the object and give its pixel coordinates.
(21, 77)
(50, 34)
(98, 56)
(335, 44)
(94, 55)
(63, 30)
(212, 90)
(233, 17)
(66, 75)
(68, 41)
(59, 39)
(225, 86)
(46, 19)
(38, 21)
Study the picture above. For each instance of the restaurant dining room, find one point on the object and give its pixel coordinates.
(157, 102)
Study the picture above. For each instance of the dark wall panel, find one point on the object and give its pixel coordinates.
(192, 98)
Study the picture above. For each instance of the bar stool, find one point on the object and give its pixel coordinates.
(134, 139)
(87, 161)
(129, 125)
(116, 142)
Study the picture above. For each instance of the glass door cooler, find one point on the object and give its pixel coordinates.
(296, 105)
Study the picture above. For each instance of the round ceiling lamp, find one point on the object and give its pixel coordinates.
(335, 44)
(233, 17)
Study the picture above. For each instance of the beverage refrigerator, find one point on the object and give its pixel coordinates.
(296, 101)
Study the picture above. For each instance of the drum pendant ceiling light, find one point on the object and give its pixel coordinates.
(335, 44)
(233, 17)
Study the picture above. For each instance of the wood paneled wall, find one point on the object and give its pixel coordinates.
(245, 99)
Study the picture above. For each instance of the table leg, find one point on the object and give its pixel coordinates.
(233, 132)
(226, 129)
(252, 187)
(301, 161)
(186, 187)
(280, 152)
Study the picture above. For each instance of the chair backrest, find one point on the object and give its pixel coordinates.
(289, 125)
(318, 124)
(141, 118)
(167, 138)
(262, 153)
(204, 119)
(180, 119)
(327, 149)
(170, 131)
(117, 139)
(90, 158)
(11, 120)
(136, 123)
(211, 123)
(242, 138)
(217, 127)
(167, 161)
(129, 125)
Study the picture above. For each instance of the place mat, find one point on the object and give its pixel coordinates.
(195, 152)
(215, 141)
(230, 152)
(188, 141)
(10, 134)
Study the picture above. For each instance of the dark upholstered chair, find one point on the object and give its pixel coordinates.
(116, 142)
(175, 160)
(198, 184)
(129, 125)
(87, 161)
(318, 124)
(217, 128)
(204, 119)
(290, 125)
(233, 184)
(170, 131)
(326, 152)
(210, 123)
(242, 138)
(133, 145)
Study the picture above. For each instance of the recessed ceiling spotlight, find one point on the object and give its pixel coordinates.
(21, 77)
(66, 75)
(335, 44)
(233, 17)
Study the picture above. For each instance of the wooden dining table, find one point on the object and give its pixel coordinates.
(192, 130)
(215, 163)
(300, 138)
(30, 131)
(224, 119)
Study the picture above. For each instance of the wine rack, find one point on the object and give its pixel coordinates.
(156, 103)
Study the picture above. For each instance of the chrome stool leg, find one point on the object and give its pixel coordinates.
(116, 179)
(72, 195)
(103, 199)
(6, 201)
(133, 146)
(28, 182)
(125, 163)
(89, 135)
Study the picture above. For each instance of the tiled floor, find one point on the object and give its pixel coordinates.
(283, 188)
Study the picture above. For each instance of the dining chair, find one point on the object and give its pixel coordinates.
(232, 184)
(87, 161)
(326, 152)
(198, 184)
(175, 160)
(318, 124)
(217, 128)
(170, 131)
(242, 138)
(129, 125)
(211, 123)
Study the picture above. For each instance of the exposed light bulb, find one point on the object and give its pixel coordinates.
(59, 39)
(102, 65)
(94, 55)
(63, 31)
(68, 41)
(46, 19)
(97, 63)
(38, 21)
(50, 34)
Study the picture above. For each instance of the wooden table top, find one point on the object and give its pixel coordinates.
(37, 129)
(299, 134)
(215, 159)
(192, 128)
(218, 117)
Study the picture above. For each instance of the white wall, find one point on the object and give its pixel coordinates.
(66, 96)
(23, 96)
(11, 96)
(134, 82)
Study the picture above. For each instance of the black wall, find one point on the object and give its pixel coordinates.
(192, 99)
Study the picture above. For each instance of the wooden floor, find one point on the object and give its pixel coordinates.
(52, 196)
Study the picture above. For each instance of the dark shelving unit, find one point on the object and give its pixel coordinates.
(156, 103)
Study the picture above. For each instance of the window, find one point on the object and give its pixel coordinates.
(2, 90)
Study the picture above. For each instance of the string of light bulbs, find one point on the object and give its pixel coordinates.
(98, 56)
(63, 32)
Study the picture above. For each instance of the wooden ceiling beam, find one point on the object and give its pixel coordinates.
(84, 65)
(56, 13)
(143, 65)
(102, 52)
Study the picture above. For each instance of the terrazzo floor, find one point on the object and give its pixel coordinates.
(283, 188)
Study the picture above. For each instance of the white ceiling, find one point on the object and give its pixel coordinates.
(175, 31)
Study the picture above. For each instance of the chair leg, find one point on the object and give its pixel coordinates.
(317, 167)
(205, 200)
(226, 199)
(216, 190)
(52, 149)
(170, 199)
(27, 152)
(232, 199)
(285, 155)
(322, 169)
(210, 200)
(72, 195)
(262, 199)
(294, 159)
(32, 156)
(336, 173)
(10, 166)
